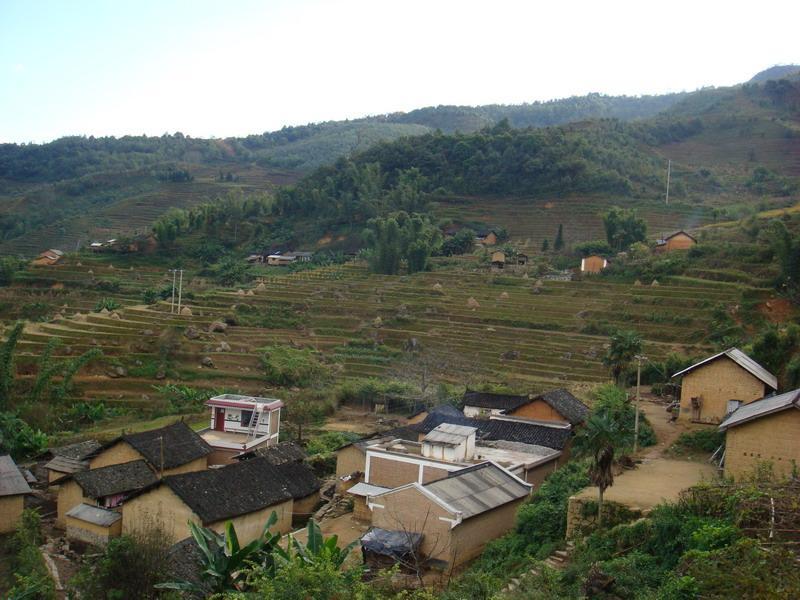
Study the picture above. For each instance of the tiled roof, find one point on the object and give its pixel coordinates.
(12, 482)
(500, 429)
(180, 443)
(475, 490)
(567, 405)
(77, 451)
(285, 452)
(63, 464)
(761, 408)
(115, 479)
(741, 359)
(241, 488)
(494, 401)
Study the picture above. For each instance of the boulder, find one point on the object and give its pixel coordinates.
(510, 355)
(117, 372)
(223, 347)
(207, 362)
(218, 327)
(148, 333)
(191, 333)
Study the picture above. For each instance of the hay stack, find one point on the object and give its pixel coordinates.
(250, 293)
(240, 292)
(186, 311)
(655, 283)
(472, 303)
(261, 287)
(504, 296)
(637, 283)
(377, 322)
(437, 287)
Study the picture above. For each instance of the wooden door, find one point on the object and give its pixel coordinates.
(219, 419)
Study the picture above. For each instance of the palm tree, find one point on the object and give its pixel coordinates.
(599, 439)
(625, 345)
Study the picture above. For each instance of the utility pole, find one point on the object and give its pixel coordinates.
(639, 358)
(669, 171)
(180, 291)
(172, 304)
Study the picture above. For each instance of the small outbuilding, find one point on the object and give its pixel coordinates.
(483, 404)
(13, 489)
(70, 459)
(92, 524)
(48, 258)
(498, 260)
(764, 431)
(556, 405)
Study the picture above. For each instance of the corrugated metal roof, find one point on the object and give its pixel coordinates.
(366, 489)
(761, 408)
(741, 359)
(475, 490)
(449, 434)
(94, 515)
(12, 482)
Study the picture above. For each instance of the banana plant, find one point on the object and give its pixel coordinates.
(223, 560)
(318, 548)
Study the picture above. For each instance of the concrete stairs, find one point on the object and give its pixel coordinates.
(557, 560)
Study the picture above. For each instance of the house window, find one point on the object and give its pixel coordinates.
(247, 416)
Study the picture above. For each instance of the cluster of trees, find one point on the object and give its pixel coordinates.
(401, 238)
(623, 227)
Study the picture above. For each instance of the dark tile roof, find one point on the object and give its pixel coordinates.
(241, 488)
(567, 405)
(77, 451)
(498, 429)
(185, 564)
(494, 401)
(280, 454)
(12, 481)
(181, 445)
(115, 479)
(408, 433)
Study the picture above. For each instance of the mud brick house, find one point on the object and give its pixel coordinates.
(169, 450)
(713, 387)
(680, 240)
(240, 424)
(483, 404)
(498, 261)
(67, 460)
(48, 258)
(245, 493)
(13, 489)
(93, 525)
(593, 264)
(557, 405)
(486, 238)
(764, 431)
(351, 459)
(455, 515)
(104, 487)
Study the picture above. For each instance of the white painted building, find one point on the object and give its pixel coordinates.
(240, 424)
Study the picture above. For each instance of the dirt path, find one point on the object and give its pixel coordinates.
(666, 431)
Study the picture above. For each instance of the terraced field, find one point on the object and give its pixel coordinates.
(533, 221)
(472, 326)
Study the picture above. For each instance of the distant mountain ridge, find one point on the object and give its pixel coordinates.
(776, 72)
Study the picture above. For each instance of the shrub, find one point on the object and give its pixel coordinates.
(284, 365)
(330, 441)
(32, 577)
(108, 303)
(702, 440)
(19, 439)
(150, 296)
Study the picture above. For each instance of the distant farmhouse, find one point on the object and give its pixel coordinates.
(48, 258)
(763, 431)
(680, 240)
(593, 264)
(715, 386)
(557, 405)
(486, 238)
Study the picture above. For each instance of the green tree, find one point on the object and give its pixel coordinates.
(9, 266)
(623, 228)
(624, 346)
(545, 245)
(558, 245)
(7, 368)
(399, 237)
(599, 439)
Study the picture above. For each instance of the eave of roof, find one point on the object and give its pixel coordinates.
(741, 359)
(761, 408)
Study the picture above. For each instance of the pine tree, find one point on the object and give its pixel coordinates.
(559, 243)
(545, 246)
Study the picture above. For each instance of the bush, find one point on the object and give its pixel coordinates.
(151, 296)
(284, 365)
(330, 441)
(32, 577)
(19, 439)
(702, 440)
(612, 402)
(106, 303)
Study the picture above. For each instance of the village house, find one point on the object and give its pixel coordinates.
(498, 261)
(483, 404)
(593, 264)
(67, 460)
(522, 259)
(680, 240)
(13, 489)
(240, 424)
(284, 259)
(486, 238)
(763, 431)
(245, 493)
(711, 388)
(456, 515)
(48, 258)
(280, 454)
(104, 487)
(169, 450)
(558, 405)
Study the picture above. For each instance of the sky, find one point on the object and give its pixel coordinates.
(210, 68)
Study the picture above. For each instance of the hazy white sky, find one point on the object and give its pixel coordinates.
(210, 68)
